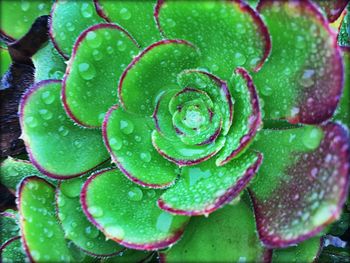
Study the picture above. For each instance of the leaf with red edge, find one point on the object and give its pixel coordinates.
(128, 140)
(99, 57)
(247, 117)
(228, 33)
(68, 20)
(57, 147)
(333, 9)
(310, 65)
(40, 229)
(297, 196)
(137, 18)
(11, 251)
(204, 188)
(307, 251)
(227, 235)
(128, 214)
(17, 16)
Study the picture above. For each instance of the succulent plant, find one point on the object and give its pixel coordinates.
(203, 130)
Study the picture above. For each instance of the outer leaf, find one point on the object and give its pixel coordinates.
(99, 57)
(226, 236)
(18, 16)
(48, 63)
(14, 170)
(75, 224)
(127, 214)
(204, 188)
(5, 60)
(343, 110)
(297, 196)
(140, 84)
(310, 65)
(307, 251)
(128, 140)
(42, 236)
(9, 226)
(247, 117)
(228, 33)
(136, 18)
(129, 255)
(57, 147)
(77, 16)
(11, 251)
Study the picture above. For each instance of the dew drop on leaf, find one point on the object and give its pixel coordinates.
(135, 194)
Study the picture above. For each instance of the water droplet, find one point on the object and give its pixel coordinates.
(93, 39)
(170, 22)
(91, 232)
(97, 55)
(266, 90)
(135, 194)
(125, 14)
(63, 131)
(121, 45)
(95, 211)
(126, 126)
(47, 97)
(116, 144)
(240, 59)
(31, 121)
(307, 78)
(138, 138)
(312, 137)
(45, 114)
(86, 71)
(25, 5)
(70, 27)
(35, 255)
(86, 10)
(110, 50)
(164, 222)
(145, 156)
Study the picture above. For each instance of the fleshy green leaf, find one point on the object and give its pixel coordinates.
(76, 226)
(306, 251)
(5, 61)
(344, 30)
(204, 188)
(57, 147)
(302, 184)
(11, 251)
(128, 140)
(9, 226)
(48, 63)
(99, 57)
(68, 20)
(128, 214)
(343, 111)
(136, 18)
(227, 235)
(141, 84)
(182, 154)
(18, 16)
(247, 117)
(310, 65)
(40, 229)
(228, 33)
(127, 256)
(14, 170)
